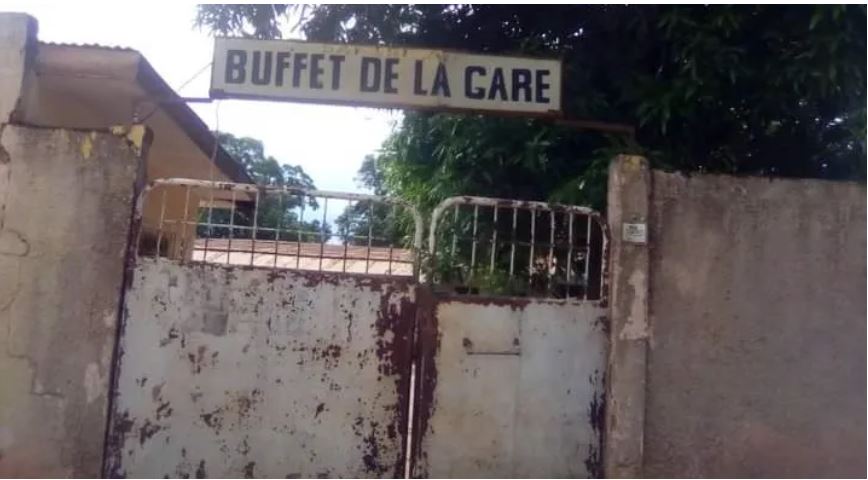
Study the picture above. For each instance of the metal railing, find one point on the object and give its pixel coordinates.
(518, 248)
(476, 244)
(278, 227)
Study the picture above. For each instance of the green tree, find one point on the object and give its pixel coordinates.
(276, 210)
(766, 90)
(374, 223)
(264, 169)
(772, 90)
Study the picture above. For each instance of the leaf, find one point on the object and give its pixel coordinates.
(815, 18)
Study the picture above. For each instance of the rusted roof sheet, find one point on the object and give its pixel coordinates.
(329, 250)
(306, 256)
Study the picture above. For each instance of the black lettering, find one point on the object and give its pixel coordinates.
(417, 79)
(521, 81)
(281, 65)
(541, 86)
(316, 70)
(299, 63)
(261, 74)
(390, 76)
(236, 61)
(498, 86)
(336, 70)
(364, 84)
(469, 90)
(441, 82)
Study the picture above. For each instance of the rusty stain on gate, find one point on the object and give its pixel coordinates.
(240, 361)
(229, 371)
(249, 368)
(512, 388)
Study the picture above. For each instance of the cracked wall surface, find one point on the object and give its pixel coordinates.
(65, 207)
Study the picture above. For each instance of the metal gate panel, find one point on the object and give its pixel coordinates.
(510, 388)
(241, 372)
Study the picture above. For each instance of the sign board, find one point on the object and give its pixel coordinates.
(384, 77)
(635, 233)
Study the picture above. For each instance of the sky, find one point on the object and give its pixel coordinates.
(329, 142)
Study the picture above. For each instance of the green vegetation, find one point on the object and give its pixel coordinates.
(274, 210)
(767, 90)
(771, 90)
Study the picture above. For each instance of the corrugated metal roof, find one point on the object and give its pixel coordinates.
(91, 45)
(306, 256)
(307, 249)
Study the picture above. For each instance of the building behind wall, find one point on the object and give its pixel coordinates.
(95, 87)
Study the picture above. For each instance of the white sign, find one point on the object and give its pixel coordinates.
(635, 233)
(384, 77)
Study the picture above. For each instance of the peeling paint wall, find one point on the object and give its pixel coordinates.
(65, 206)
(756, 361)
(511, 388)
(243, 372)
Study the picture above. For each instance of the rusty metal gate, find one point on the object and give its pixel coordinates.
(231, 365)
(263, 338)
(513, 345)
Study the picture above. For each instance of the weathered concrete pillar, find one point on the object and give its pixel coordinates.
(629, 191)
(17, 47)
(66, 200)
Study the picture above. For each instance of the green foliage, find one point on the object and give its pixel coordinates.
(497, 282)
(274, 210)
(775, 90)
(766, 90)
(264, 169)
(434, 156)
(385, 224)
(451, 270)
(257, 21)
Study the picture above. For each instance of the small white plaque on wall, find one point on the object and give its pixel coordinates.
(635, 233)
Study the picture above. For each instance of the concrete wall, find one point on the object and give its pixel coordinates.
(88, 88)
(241, 372)
(65, 207)
(17, 49)
(756, 361)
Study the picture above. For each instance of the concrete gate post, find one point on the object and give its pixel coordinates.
(628, 198)
(66, 202)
